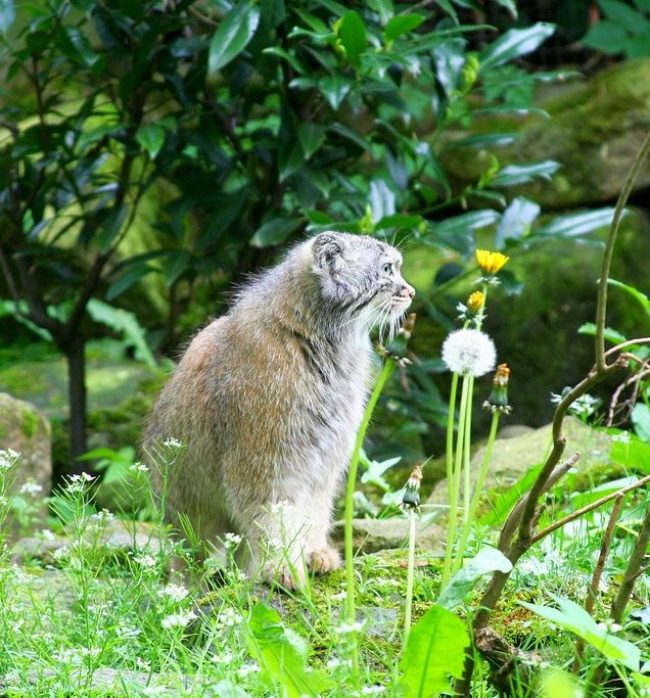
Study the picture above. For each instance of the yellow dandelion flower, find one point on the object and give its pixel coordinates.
(476, 301)
(491, 262)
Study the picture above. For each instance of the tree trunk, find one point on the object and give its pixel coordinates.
(76, 357)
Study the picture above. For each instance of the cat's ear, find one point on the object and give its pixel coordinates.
(328, 251)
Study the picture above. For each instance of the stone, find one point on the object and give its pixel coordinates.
(371, 535)
(512, 457)
(118, 536)
(25, 430)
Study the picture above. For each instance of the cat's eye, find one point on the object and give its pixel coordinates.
(387, 268)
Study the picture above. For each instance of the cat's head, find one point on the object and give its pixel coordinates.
(361, 276)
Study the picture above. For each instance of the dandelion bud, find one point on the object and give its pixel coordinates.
(396, 349)
(411, 497)
(469, 353)
(498, 399)
(476, 301)
(491, 262)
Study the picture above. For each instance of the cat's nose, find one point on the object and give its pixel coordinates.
(407, 291)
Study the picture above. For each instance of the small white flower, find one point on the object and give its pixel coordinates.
(231, 540)
(61, 553)
(77, 483)
(144, 560)
(176, 620)
(228, 618)
(175, 592)
(372, 690)
(247, 669)
(127, 632)
(139, 468)
(8, 458)
(30, 488)
(225, 657)
(469, 352)
(622, 437)
(47, 534)
(172, 443)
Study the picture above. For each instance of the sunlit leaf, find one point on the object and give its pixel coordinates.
(234, 32)
(515, 43)
(7, 14)
(402, 24)
(577, 224)
(352, 32)
(275, 231)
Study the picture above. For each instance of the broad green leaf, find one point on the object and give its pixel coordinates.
(275, 231)
(577, 223)
(605, 36)
(634, 292)
(641, 420)
(554, 683)
(312, 136)
(11, 309)
(435, 652)
(572, 617)
(175, 265)
(512, 175)
(509, 5)
(458, 232)
(401, 24)
(81, 46)
(129, 276)
(625, 16)
(631, 452)
(151, 137)
(488, 560)
(352, 32)
(515, 43)
(516, 220)
(282, 654)
(612, 336)
(109, 224)
(483, 140)
(126, 324)
(384, 8)
(502, 505)
(289, 57)
(382, 200)
(234, 32)
(7, 15)
(335, 88)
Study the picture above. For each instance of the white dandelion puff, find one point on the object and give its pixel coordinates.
(469, 352)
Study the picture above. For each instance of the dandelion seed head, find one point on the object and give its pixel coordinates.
(469, 352)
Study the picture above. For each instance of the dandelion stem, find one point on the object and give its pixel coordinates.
(450, 435)
(466, 446)
(455, 490)
(386, 370)
(410, 578)
(480, 482)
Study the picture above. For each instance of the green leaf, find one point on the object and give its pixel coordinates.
(384, 8)
(486, 561)
(125, 323)
(641, 420)
(605, 36)
(275, 231)
(335, 88)
(575, 619)
(577, 223)
(151, 137)
(434, 652)
(175, 265)
(401, 24)
(515, 43)
(625, 16)
(131, 275)
(19, 312)
(282, 654)
(7, 15)
(289, 57)
(233, 34)
(312, 136)
(505, 501)
(352, 32)
(510, 6)
(612, 336)
(631, 452)
(634, 292)
(516, 221)
(521, 174)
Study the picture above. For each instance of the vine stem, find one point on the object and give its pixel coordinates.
(350, 612)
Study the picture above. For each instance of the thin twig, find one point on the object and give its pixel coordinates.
(594, 586)
(601, 307)
(587, 508)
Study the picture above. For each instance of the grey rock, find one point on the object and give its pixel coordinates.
(380, 534)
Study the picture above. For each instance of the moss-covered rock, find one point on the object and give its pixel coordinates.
(594, 132)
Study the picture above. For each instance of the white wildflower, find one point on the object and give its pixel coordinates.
(172, 443)
(77, 483)
(622, 437)
(30, 488)
(247, 669)
(139, 468)
(61, 553)
(231, 540)
(180, 619)
(228, 618)
(127, 632)
(224, 658)
(372, 690)
(47, 534)
(8, 458)
(144, 560)
(469, 352)
(175, 592)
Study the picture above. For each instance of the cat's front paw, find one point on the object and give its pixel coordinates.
(288, 577)
(324, 560)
